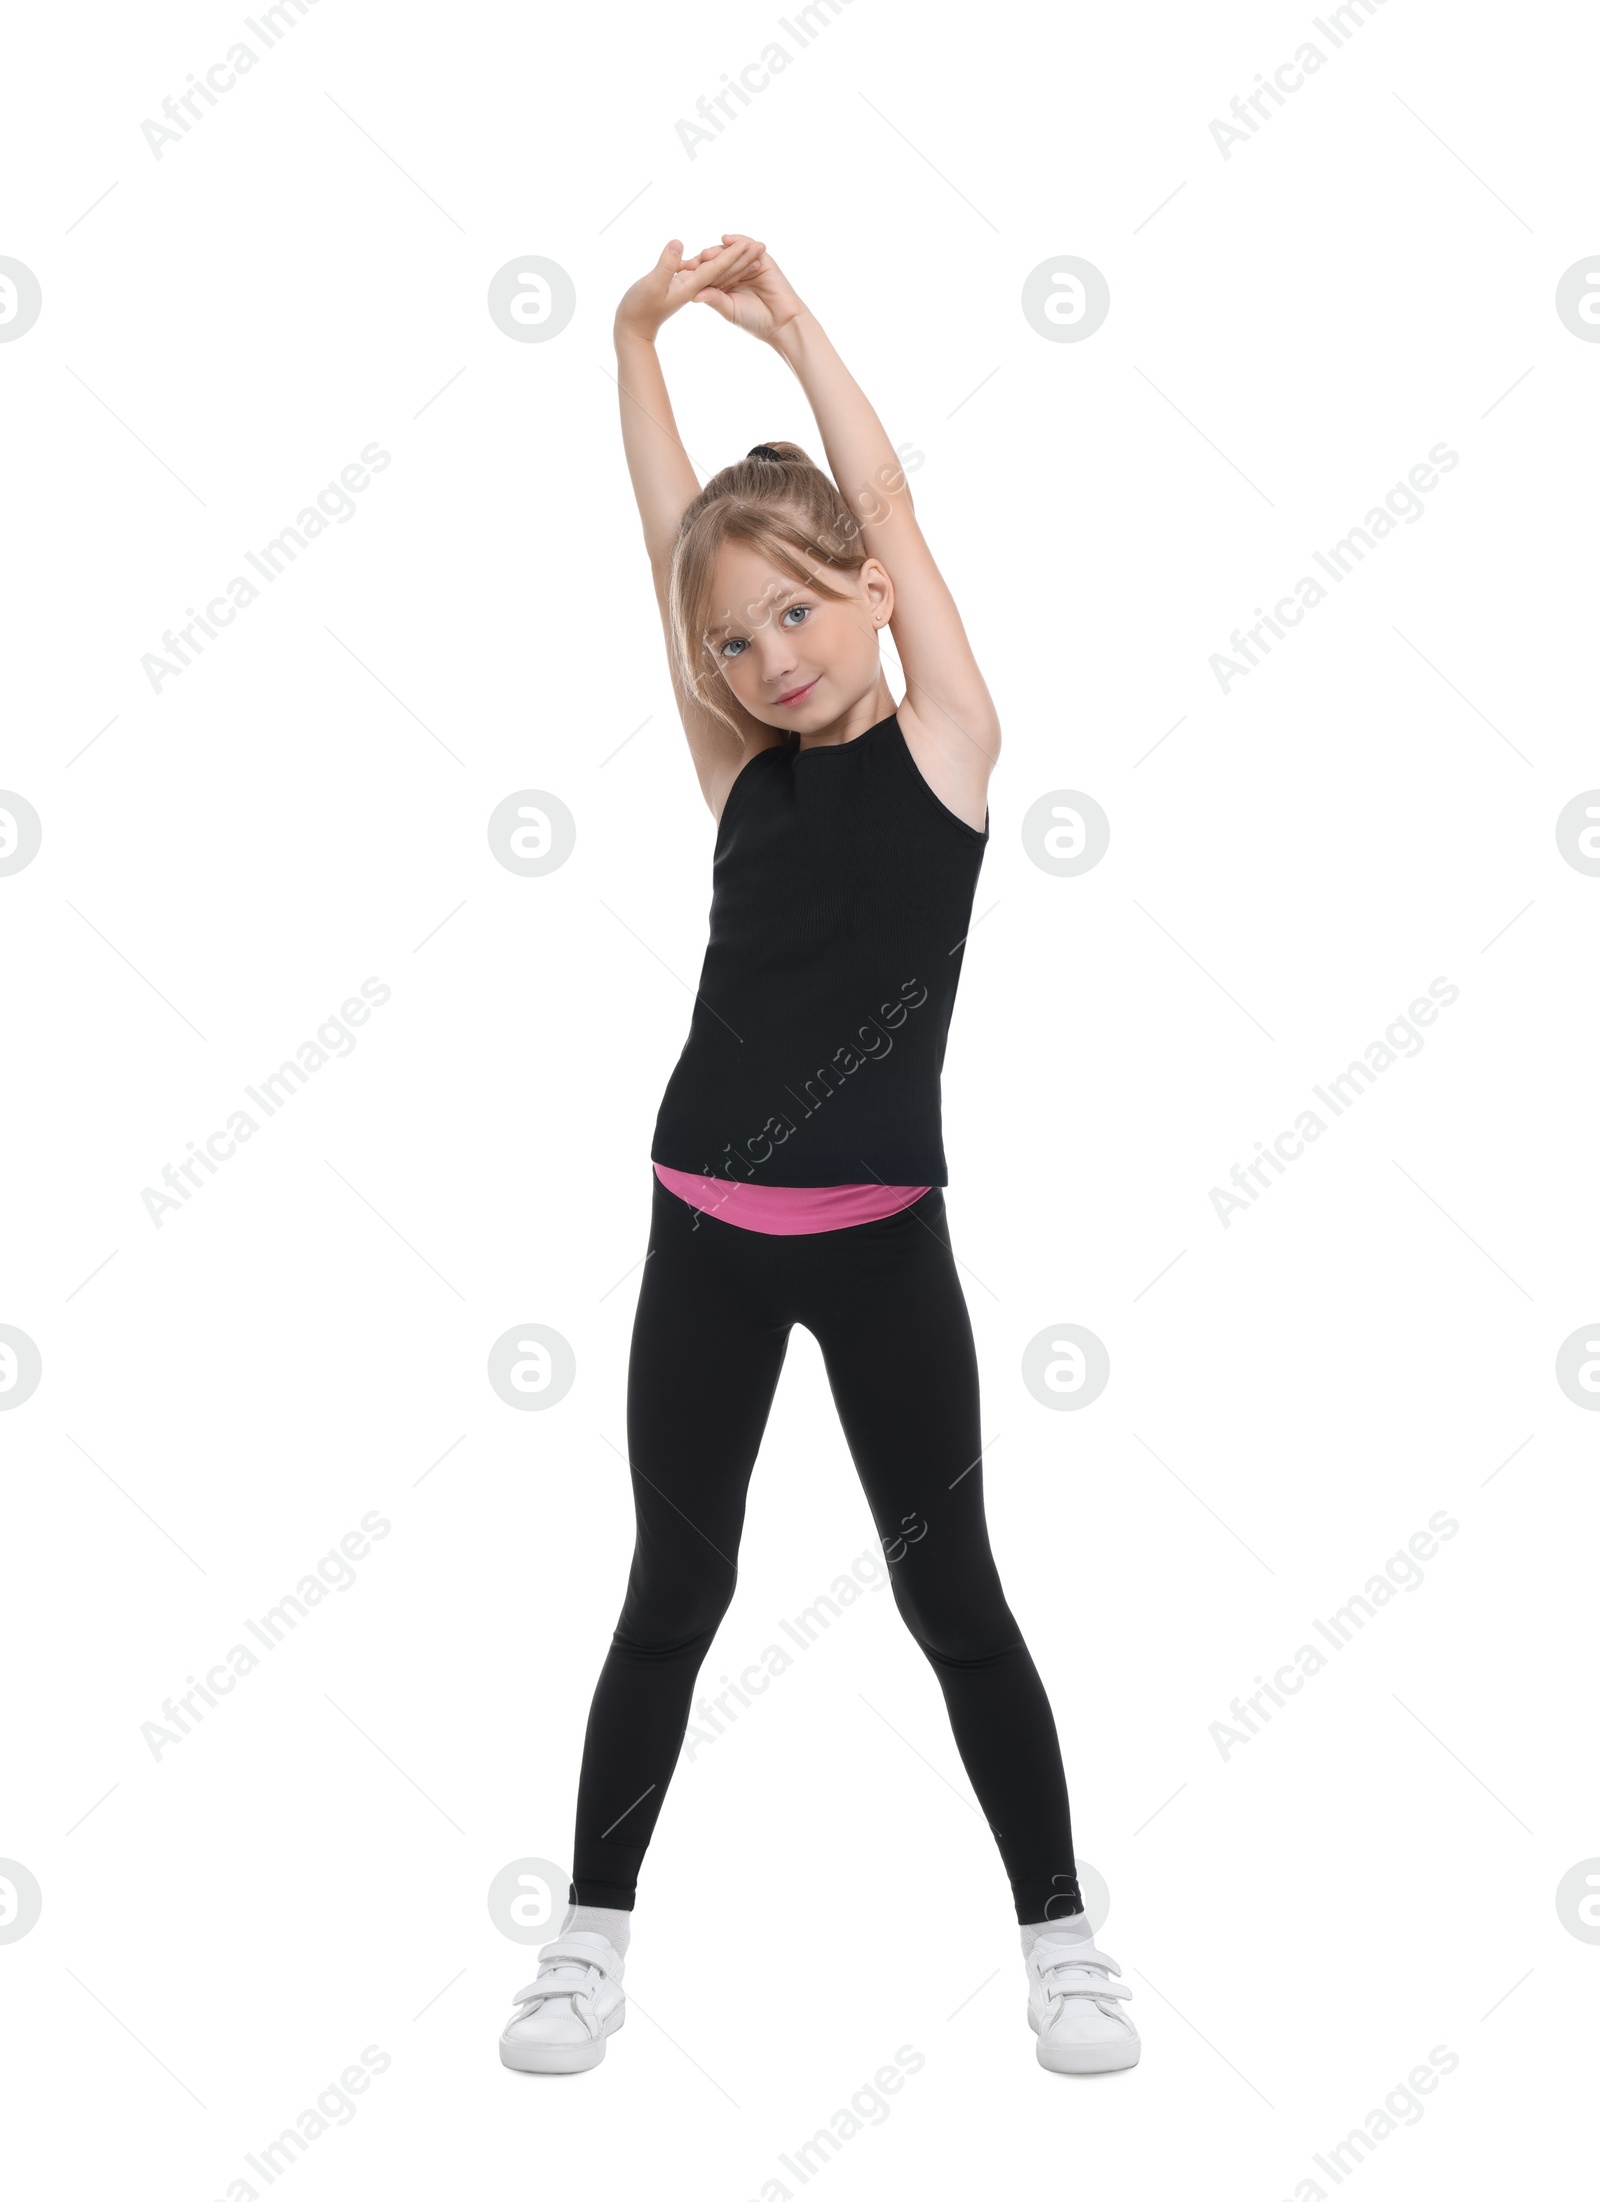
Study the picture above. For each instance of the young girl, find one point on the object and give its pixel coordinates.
(798, 1157)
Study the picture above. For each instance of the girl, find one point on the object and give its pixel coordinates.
(799, 1166)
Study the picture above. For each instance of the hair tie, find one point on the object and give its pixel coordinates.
(764, 451)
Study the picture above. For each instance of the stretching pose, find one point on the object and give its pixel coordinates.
(798, 1158)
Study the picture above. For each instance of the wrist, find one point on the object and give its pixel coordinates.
(796, 335)
(628, 336)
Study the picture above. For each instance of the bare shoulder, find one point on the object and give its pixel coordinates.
(718, 749)
(717, 779)
(956, 762)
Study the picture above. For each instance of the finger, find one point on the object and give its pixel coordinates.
(735, 262)
(715, 267)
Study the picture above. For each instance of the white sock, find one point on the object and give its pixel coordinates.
(599, 1919)
(1076, 1928)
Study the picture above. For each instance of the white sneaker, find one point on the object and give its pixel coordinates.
(1072, 2007)
(563, 2017)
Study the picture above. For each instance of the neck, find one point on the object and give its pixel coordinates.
(877, 704)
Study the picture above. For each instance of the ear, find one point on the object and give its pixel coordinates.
(879, 591)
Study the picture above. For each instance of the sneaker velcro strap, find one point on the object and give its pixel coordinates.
(528, 2000)
(581, 1991)
(532, 1993)
(1047, 1952)
(1076, 1980)
(568, 1950)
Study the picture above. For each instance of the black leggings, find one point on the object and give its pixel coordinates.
(884, 1302)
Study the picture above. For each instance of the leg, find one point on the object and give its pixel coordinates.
(897, 1344)
(702, 1370)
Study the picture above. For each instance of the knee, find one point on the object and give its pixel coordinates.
(967, 1625)
(677, 1610)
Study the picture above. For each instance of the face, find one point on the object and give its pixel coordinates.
(793, 657)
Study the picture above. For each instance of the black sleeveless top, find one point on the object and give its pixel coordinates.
(842, 890)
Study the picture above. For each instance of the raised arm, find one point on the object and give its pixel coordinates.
(664, 481)
(946, 696)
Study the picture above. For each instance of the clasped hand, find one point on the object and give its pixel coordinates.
(738, 279)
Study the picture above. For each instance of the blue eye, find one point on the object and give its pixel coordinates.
(736, 643)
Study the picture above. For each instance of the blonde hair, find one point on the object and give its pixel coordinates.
(779, 502)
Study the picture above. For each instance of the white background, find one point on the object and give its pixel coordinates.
(224, 862)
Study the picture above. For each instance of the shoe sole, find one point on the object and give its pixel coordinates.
(560, 2056)
(1085, 2056)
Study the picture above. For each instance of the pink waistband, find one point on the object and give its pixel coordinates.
(787, 1209)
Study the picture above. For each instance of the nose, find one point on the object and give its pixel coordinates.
(779, 661)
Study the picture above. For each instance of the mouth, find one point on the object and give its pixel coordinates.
(797, 695)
